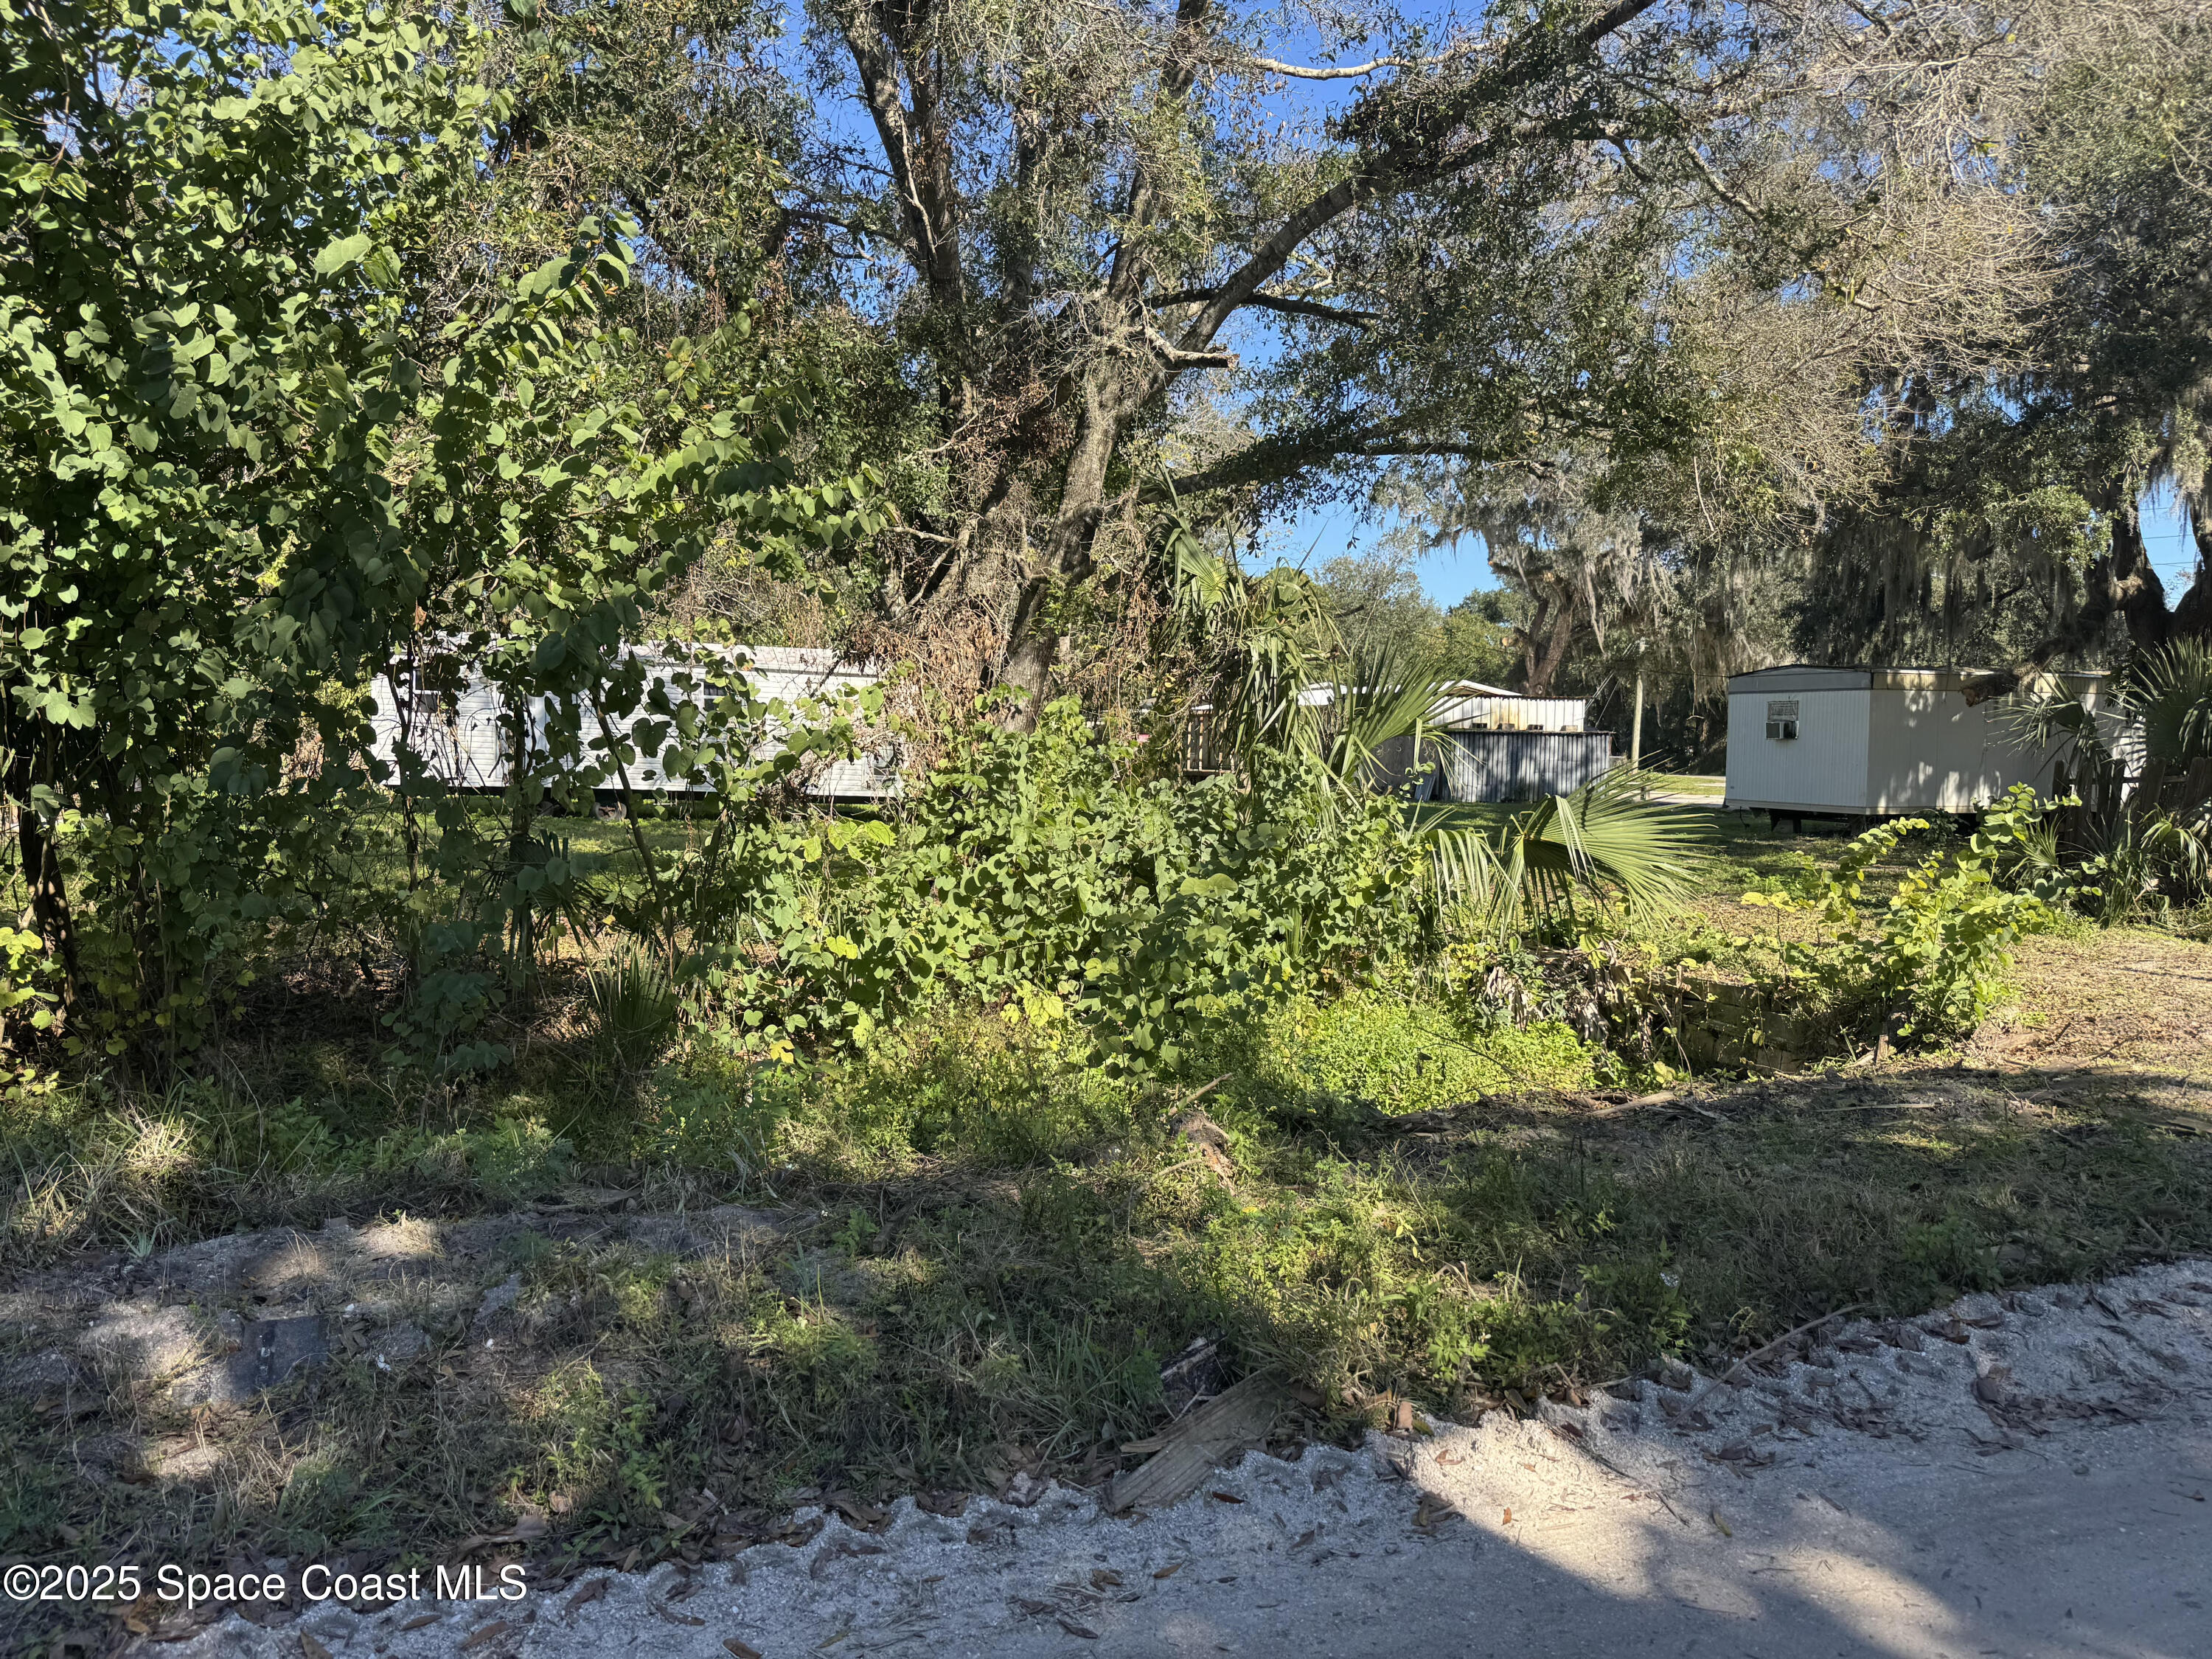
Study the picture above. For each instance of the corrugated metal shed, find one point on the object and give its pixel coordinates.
(1469, 705)
(1465, 707)
(462, 733)
(1495, 766)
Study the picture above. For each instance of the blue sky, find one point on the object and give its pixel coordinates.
(1449, 576)
(2166, 536)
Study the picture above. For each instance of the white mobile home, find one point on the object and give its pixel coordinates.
(1805, 740)
(1471, 706)
(454, 722)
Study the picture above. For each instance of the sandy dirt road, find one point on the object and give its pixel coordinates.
(2021, 1476)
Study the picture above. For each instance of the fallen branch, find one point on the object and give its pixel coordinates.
(1187, 1451)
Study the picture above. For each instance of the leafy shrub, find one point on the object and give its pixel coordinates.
(1931, 957)
(2017, 837)
(709, 1113)
(1159, 914)
(25, 969)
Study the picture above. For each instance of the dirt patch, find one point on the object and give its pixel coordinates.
(2126, 1000)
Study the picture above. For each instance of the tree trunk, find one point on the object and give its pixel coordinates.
(521, 810)
(2136, 590)
(2123, 582)
(2192, 612)
(1544, 667)
(1635, 730)
(42, 876)
(1033, 639)
(1030, 656)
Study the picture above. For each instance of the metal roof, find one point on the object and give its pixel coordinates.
(1823, 677)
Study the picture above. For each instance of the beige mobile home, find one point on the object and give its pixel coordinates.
(1880, 742)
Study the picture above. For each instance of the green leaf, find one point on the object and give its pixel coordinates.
(341, 254)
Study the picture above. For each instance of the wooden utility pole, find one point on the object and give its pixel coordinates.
(1636, 726)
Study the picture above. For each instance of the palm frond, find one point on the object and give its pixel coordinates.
(1600, 845)
(2061, 724)
(1269, 637)
(2170, 691)
(1384, 696)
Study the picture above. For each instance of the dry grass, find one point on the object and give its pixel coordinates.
(2127, 1002)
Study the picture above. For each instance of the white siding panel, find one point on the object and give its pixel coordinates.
(1933, 752)
(1489, 714)
(1825, 766)
(1926, 752)
(1909, 743)
(2009, 758)
(459, 738)
(463, 741)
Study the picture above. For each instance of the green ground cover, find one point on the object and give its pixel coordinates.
(987, 1235)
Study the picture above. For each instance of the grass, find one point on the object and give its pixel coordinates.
(1705, 785)
(974, 1258)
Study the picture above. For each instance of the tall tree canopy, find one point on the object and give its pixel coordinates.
(1717, 272)
(2009, 529)
(1934, 345)
(1102, 245)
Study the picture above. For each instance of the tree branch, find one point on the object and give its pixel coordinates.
(1272, 302)
(1181, 361)
(1720, 186)
(1347, 72)
(1125, 277)
(923, 191)
(1394, 172)
(1274, 458)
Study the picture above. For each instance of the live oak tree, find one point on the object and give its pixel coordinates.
(1069, 265)
(1925, 347)
(2009, 529)
(1081, 209)
(1071, 219)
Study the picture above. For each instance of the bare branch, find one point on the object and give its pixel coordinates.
(1719, 186)
(1348, 71)
(1181, 361)
(1389, 172)
(1272, 302)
